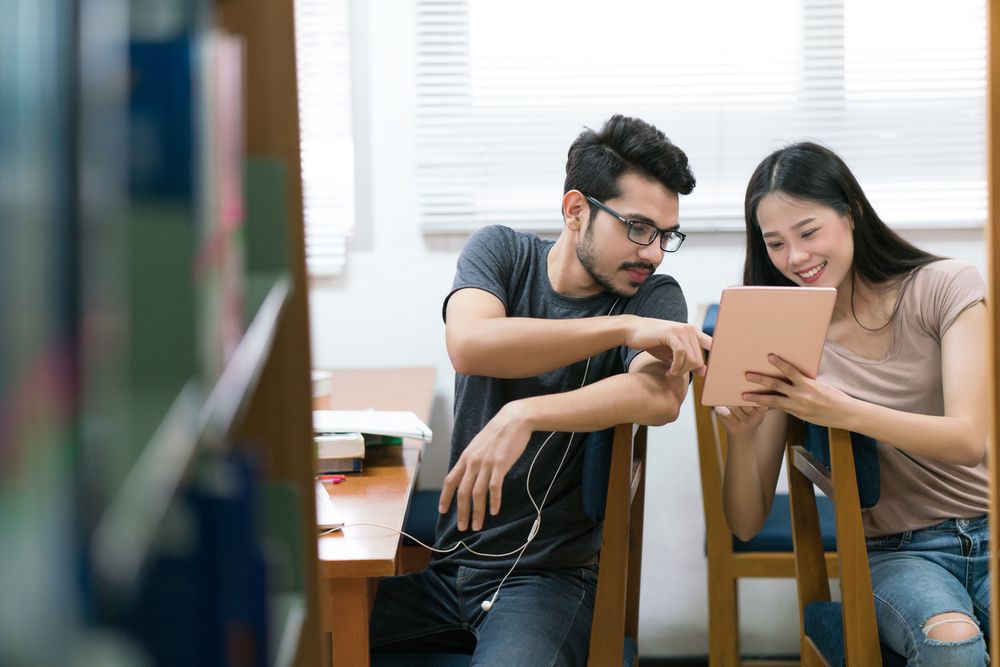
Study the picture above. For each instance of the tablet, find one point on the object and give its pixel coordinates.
(756, 321)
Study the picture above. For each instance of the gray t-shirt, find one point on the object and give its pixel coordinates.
(917, 492)
(512, 266)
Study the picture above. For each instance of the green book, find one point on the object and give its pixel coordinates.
(372, 440)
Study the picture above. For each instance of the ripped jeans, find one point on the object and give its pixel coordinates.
(919, 574)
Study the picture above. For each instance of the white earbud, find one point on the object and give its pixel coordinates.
(488, 604)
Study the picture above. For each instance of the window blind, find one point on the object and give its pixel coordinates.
(896, 87)
(322, 48)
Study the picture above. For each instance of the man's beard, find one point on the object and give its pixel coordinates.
(585, 253)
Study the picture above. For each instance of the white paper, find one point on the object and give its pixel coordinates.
(395, 423)
(327, 515)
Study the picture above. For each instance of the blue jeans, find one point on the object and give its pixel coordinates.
(922, 573)
(539, 618)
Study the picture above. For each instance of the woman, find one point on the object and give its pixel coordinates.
(903, 362)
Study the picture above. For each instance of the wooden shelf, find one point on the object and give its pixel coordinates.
(288, 613)
(126, 531)
(231, 395)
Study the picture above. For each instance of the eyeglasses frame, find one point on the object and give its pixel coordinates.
(662, 234)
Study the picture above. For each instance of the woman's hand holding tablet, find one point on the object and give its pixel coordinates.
(755, 322)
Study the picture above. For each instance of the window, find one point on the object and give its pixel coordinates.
(896, 87)
(325, 127)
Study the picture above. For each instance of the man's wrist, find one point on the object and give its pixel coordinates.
(625, 324)
(522, 411)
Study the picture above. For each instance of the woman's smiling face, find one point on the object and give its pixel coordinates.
(810, 243)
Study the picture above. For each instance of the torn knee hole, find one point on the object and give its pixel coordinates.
(953, 627)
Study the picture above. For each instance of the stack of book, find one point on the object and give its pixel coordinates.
(341, 436)
(339, 452)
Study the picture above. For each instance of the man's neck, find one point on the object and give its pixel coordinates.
(566, 274)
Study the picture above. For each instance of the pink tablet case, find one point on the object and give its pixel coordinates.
(755, 321)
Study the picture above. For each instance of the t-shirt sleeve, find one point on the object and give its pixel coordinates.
(663, 300)
(953, 289)
(486, 262)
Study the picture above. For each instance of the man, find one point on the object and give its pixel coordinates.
(548, 340)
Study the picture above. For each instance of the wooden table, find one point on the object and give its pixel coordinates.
(351, 561)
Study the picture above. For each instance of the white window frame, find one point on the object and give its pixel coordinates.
(918, 151)
(323, 66)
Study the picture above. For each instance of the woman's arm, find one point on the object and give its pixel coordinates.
(957, 437)
(753, 462)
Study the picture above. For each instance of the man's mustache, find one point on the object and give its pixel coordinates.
(638, 265)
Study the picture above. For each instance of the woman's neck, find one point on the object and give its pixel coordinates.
(868, 305)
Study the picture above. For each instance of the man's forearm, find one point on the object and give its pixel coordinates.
(643, 397)
(518, 347)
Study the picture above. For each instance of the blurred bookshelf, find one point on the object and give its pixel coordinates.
(156, 492)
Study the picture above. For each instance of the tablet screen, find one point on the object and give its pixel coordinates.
(756, 321)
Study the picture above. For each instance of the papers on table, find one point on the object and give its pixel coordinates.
(394, 423)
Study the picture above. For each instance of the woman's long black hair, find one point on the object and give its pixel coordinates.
(811, 172)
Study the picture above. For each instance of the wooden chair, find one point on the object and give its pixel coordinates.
(768, 555)
(615, 627)
(616, 608)
(833, 633)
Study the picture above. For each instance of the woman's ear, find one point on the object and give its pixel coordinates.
(574, 208)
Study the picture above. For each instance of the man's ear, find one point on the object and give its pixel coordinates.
(574, 209)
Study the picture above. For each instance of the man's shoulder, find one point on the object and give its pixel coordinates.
(501, 236)
(503, 232)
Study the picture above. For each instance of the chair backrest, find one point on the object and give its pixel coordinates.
(843, 633)
(712, 450)
(616, 608)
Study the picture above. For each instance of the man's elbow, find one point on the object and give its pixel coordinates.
(666, 415)
(667, 396)
(665, 412)
(464, 353)
(461, 360)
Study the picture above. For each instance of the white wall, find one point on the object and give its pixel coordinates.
(386, 311)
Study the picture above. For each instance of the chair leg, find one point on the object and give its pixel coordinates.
(723, 628)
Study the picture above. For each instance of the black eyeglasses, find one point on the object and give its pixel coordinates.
(644, 233)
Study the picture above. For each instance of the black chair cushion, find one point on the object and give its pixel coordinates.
(711, 315)
(420, 660)
(421, 522)
(594, 475)
(866, 466)
(776, 535)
